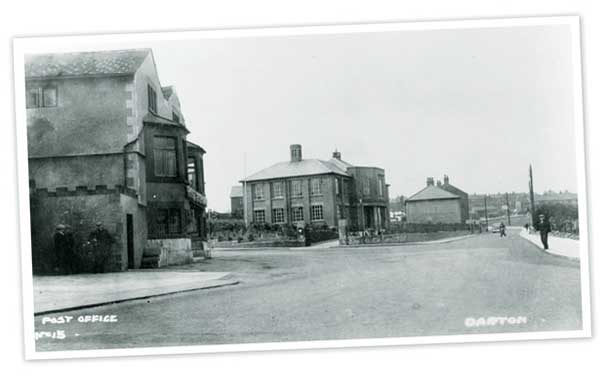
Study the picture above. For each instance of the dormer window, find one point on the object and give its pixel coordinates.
(175, 117)
(41, 97)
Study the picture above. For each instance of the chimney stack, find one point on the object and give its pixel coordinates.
(295, 153)
(430, 181)
(336, 155)
(446, 180)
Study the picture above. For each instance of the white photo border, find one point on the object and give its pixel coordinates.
(28, 45)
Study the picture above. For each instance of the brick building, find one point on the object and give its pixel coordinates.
(107, 143)
(441, 203)
(317, 192)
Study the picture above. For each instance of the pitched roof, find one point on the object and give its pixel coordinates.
(341, 164)
(297, 169)
(116, 62)
(431, 193)
(195, 146)
(236, 192)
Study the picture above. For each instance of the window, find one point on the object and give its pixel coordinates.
(41, 97)
(278, 190)
(317, 212)
(337, 186)
(168, 221)
(339, 212)
(164, 156)
(191, 176)
(297, 214)
(152, 99)
(296, 189)
(258, 192)
(176, 117)
(316, 186)
(33, 98)
(366, 186)
(380, 187)
(259, 216)
(49, 97)
(278, 216)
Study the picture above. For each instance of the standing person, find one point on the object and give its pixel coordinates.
(543, 226)
(102, 241)
(61, 244)
(69, 262)
(502, 229)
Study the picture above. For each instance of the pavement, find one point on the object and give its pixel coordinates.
(562, 247)
(309, 294)
(70, 292)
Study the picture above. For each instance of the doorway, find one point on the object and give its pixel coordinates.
(130, 240)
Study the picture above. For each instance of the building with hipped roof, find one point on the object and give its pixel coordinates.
(317, 192)
(107, 143)
(441, 203)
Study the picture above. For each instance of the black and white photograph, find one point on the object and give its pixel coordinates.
(302, 187)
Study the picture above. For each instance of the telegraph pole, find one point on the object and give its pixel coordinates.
(531, 195)
(507, 209)
(245, 195)
(485, 207)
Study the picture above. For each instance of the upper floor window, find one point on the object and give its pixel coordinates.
(191, 172)
(152, 99)
(164, 156)
(41, 97)
(176, 117)
(296, 189)
(278, 190)
(380, 187)
(258, 192)
(366, 186)
(337, 186)
(316, 186)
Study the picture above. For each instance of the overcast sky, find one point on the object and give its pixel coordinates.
(478, 104)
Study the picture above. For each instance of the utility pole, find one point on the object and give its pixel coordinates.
(507, 209)
(531, 195)
(245, 195)
(485, 207)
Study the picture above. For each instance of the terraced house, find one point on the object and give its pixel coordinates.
(318, 193)
(107, 143)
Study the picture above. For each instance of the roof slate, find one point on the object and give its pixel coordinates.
(432, 193)
(297, 169)
(116, 62)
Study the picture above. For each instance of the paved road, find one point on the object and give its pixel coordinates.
(396, 291)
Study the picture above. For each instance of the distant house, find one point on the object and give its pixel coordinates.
(107, 143)
(441, 203)
(237, 201)
(550, 197)
(317, 192)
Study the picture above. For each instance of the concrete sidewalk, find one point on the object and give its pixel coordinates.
(60, 293)
(562, 247)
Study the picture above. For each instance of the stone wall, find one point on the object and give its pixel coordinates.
(80, 212)
(173, 251)
(90, 117)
